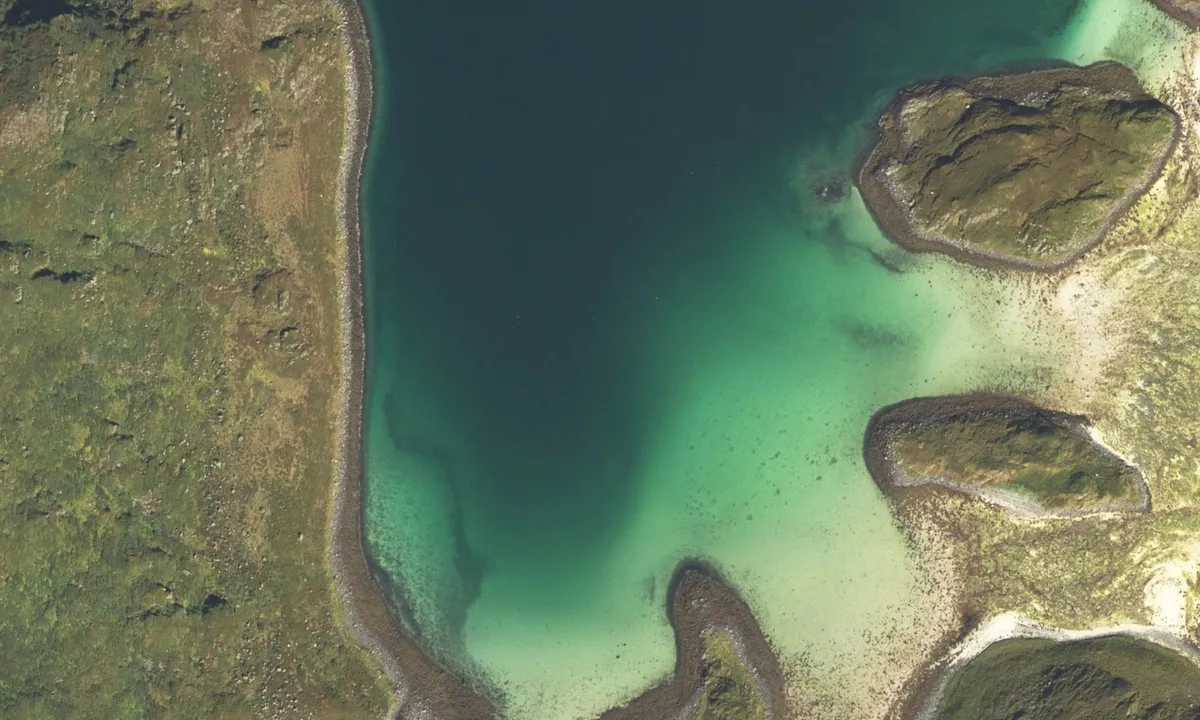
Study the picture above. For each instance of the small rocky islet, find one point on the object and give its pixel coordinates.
(1026, 170)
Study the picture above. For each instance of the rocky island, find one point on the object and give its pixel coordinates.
(1026, 170)
(1004, 450)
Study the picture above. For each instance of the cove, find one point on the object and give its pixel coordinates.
(613, 321)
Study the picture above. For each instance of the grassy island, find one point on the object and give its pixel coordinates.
(1002, 449)
(1025, 170)
(1107, 678)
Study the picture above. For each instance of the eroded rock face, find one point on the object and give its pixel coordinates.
(1003, 449)
(1026, 170)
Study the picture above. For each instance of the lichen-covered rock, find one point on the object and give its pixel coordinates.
(1027, 170)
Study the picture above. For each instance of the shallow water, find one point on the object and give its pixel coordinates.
(611, 325)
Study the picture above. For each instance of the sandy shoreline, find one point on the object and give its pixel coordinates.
(422, 688)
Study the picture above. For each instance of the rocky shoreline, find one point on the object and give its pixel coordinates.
(696, 600)
(423, 689)
(891, 209)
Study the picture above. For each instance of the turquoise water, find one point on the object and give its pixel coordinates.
(611, 325)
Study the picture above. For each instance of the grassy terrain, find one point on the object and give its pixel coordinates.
(1030, 179)
(1034, 454)
(730, 691)
(1111, 678)
(168, 336)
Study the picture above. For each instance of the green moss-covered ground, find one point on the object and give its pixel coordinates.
(168, 255)
(1110, 678)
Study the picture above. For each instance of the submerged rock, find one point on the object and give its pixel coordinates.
(1027, 170)
(1095, 679)
(1004, 450)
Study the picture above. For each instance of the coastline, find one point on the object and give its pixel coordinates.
(422, 689)
(367, 612)
(883, 201)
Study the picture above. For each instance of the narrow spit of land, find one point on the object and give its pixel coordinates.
(725, 668)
